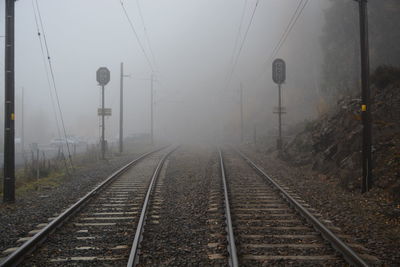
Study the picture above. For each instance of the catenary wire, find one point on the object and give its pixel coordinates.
(48, 78)
(46, 70)
(242, 45)
(145, 33)
(286, 29)
(136, 35)
(290, 28)
(54, 83)
(292, 22)
(238, 33)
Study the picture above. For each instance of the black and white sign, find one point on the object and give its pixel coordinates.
(105, 112)
(279, 71)
(103, 76)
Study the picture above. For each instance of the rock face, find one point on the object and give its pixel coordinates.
(332, 143)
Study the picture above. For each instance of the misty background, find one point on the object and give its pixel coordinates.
(192, 47)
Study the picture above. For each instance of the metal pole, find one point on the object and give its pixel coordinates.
(151, 112)
(22, 124)
(37, 164)
(365, 99)
(241, 113)
(9, 123)
(121, 110)
(103, 148)
(280, 118)
(255, 134)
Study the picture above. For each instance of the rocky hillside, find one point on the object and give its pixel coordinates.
(332, 143)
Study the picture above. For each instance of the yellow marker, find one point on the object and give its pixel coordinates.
(12, 116)
(364, 108)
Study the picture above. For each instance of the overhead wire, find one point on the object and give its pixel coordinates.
(136, 35)
(242, 45)
(54, 83)
(238, 33)
(46, 70)
(292, 22)
(145, 33)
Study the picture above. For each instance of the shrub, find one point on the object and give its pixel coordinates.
(385, 75)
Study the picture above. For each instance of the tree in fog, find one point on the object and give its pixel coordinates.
(340, 43)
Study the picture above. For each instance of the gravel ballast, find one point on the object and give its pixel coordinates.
(177, 233)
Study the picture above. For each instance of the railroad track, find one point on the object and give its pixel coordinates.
(102, 228)
(266, 226)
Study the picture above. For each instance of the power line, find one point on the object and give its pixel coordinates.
(242, 44)
(292, 22)
(289, 28)
(145, 33)
(47, 72)
(286, 29)
(238, 33)
(136, 35)
(54, 83)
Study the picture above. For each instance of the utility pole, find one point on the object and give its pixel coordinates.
(365, 99)
(255, 134)
(151, 111)
(9, 116)
(22, 124)
(241, 113)
(121, 110)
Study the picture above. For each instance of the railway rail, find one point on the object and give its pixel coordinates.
(267, 225)
(134, 254)
(100, 227)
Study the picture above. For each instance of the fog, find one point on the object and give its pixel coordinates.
(195, 96)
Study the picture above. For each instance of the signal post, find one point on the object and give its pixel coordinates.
(103, 77)
(279, 77)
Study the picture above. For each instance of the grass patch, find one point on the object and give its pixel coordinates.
(53, 171)
(52, 180)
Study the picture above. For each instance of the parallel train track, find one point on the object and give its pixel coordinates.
(265, 224)
(99, 228)
(269, 227)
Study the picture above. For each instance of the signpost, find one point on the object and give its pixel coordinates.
(279, 77)
(103, 77)
(104, 112)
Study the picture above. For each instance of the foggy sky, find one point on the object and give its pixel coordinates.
(192, 42)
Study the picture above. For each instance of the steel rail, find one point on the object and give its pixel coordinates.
(233, 258)
(349, 254)
(134, 254)
(29, 246)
